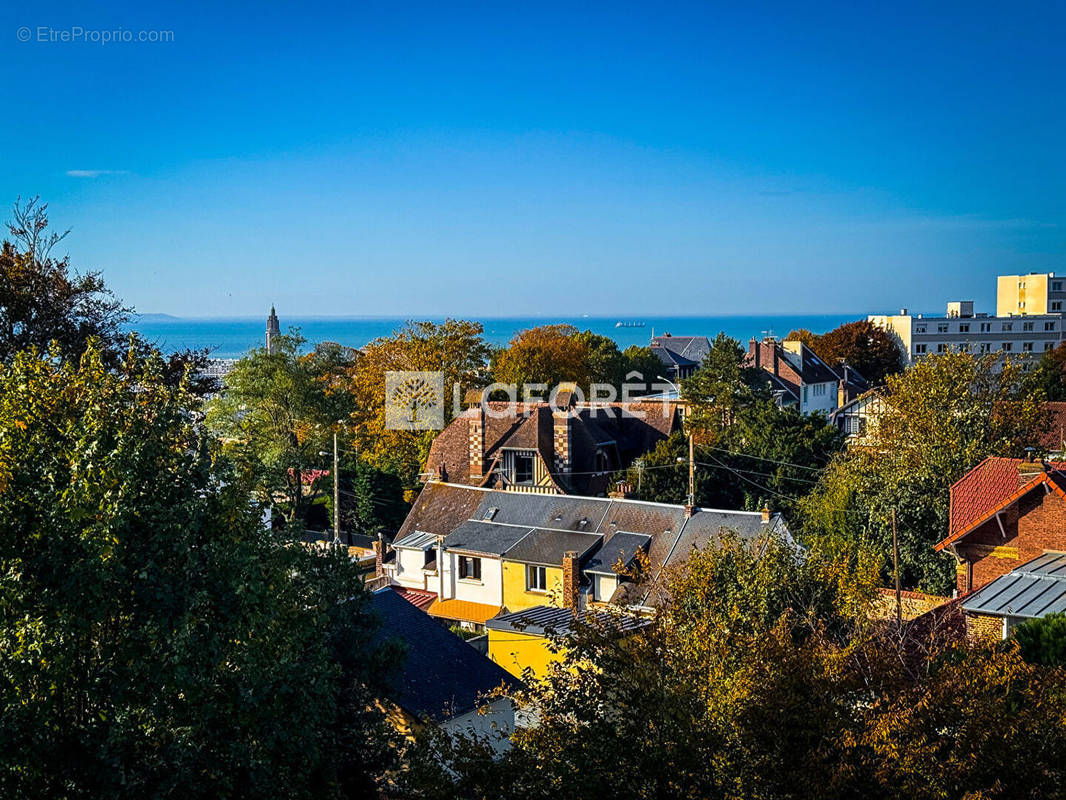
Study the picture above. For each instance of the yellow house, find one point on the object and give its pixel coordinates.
(1035, 293)
(544, 568)
(528, 640)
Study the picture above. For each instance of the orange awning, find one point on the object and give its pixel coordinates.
(464, 610)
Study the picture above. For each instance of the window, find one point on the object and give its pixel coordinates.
(919, 329)
(1027, 326)
(942, 327)
(986, 327)
(1008, 325)
(523, 468)
(469, 568)
(986, 347)
(1027, 347)
(965, 347)
(919, 349)
(819, 390)
(536, 579)
(1006, 347)
(964, 327)
(804, 393)
(1049, 326)
(855, 426)
(430, 557)
(941, 348)
(1048, 345)
(1056, 306)
(1021, 284)
(1056, 286)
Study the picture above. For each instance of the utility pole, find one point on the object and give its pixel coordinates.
(336, 493)
(691, 471)
(895, 568)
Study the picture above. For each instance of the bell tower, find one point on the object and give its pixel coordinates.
(273, 329)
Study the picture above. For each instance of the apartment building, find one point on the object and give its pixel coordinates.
(1034, 294)
(961, 330)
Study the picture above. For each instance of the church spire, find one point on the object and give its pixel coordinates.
(273, 328)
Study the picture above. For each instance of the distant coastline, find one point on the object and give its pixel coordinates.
(232, 337)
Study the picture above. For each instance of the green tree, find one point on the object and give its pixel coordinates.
(1048, 377)
(1043, 640)
(155, 641)
(721, 388)
(276, 416)
(42, 303)
(941, 417)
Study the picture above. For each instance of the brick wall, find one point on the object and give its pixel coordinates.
(984, 626)
(1033, 525)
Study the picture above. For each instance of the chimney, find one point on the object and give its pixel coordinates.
(476, 433)
(689, 511)
(571, 580)
(1029, 468)
(765, 514)
(379, 555)
(754, 351)
(561, 440)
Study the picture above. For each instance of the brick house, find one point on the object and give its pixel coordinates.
(533, 447)
(1005, 513)
(798, 377)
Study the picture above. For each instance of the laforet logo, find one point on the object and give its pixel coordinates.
(414, 400)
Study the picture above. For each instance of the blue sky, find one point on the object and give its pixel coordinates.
(544, 159)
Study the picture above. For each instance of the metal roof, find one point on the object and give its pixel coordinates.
(541, 620)
(416, 541)
(1034, 589)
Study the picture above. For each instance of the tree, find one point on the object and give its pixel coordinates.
(372, 500)
(872, 350)
(643, 361)
(41, 302)
(721, 388)
(1043, 640)
(1048, 377)
(455, 348)
(942, 416)
(276, 416)
(548, 354)
(154, 639)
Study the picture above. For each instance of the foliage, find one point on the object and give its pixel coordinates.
(276, 416)
(1048, 376)
(721, 388)
(871, 350)
(1043, 640)
(154, 639)
(372, 500)
(42, 303)
(941, 417)
(454, 347)
(764, 677)
(547, 354)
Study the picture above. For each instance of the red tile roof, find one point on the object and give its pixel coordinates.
(419, 598)
(990, 487)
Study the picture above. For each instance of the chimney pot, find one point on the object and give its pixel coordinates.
(766, 514)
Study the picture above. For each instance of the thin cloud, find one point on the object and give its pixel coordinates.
(94, 173)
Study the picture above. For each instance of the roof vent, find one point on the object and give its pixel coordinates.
(491, 513)
(583, 523)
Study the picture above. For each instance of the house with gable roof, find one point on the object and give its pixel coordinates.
(681, 355)
(799, 377)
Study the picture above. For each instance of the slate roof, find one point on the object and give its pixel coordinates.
(440, 508)
(441, 676)
(672, 359)
(691, 348)
(1035, 589)
(541, 620)
(548, 547)
(622, 547)
(502, 520)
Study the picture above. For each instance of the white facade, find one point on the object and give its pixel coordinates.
(488, 589)
(818, 397)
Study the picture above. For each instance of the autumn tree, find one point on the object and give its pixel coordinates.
(155, 641)
(276, 415)
(42, 302)
(941, 417)
(455, 348)
(872, 350)
(721, 388)
(548, 354)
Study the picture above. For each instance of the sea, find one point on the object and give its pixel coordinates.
(232, 337)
